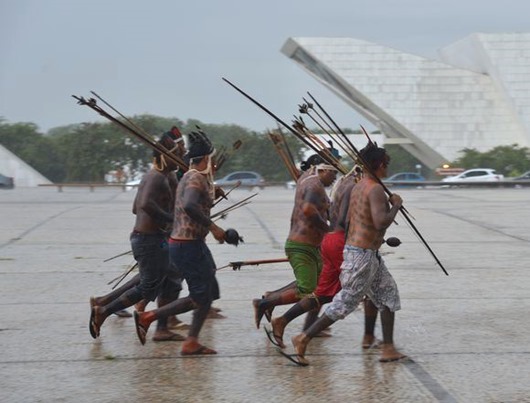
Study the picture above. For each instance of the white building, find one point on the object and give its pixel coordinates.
(24, 175)
(476, 96)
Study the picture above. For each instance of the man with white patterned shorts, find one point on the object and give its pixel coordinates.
(363, 271)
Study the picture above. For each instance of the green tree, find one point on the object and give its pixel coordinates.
(509, 160)
(94, 149)
(85, 152)
(38, 151)
(15, 136)
(403, 161)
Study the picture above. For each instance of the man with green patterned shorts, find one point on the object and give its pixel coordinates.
(309, 224)
(306, 262)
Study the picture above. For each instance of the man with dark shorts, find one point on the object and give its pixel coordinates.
(188, 249)
(309, 223)
(363, 271)
(153, 209)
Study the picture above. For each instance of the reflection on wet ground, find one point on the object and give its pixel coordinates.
(463, 332)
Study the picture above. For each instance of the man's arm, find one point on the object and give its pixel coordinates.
(311, 212)
(382, 215)
(148, 201)
(190, 203)
(343, 216)
(135, 203)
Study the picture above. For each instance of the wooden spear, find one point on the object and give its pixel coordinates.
(402, 210)
(370, 171)
(92, 103)
(237, 265)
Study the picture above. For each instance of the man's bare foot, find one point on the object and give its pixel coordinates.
(123, 313)
(278, 327)
(370, 341)
(166, 335)
(389, 353)
(97, 301)
(94, 332)
(268, 311)
(214, 314)
(192, 347)
(99, 315)
(97, 318)
(141, 305)
(258, 311)
(324, 333)
(142, 321)
(300, 343)
(173, 321)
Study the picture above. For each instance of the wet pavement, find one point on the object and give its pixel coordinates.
(467, 333)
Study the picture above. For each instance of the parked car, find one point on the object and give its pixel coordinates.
(401, 178)
(247, 179)
(405, 176)
(132, 184)
(523, 177)
(476, 175)
(6, 182)
(290, 185)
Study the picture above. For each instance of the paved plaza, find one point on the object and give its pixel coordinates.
(467, 334)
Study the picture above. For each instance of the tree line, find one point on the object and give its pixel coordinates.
(86, 152)
(509, 160)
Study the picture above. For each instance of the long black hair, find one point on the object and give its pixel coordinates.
(374, 156)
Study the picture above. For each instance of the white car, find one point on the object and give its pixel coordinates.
(476, 175)
(290, 185)
(130, 185)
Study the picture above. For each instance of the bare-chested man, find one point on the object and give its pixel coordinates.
(328, 283)
(153, 209)
(187, 246)
(309, 223)
(363, 269)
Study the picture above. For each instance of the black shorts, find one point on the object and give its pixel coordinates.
(195, 261)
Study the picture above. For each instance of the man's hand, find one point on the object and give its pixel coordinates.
(395, 200)
(219, 192)
(217, 232)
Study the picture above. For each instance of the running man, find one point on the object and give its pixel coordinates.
(363, 269)
(187, 246)
(309, 224)
(328, 283)
(152, 207)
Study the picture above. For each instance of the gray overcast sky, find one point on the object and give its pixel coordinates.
(167, 57)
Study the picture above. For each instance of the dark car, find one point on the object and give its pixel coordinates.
(402, 178)
(247, 179)
(6, 182)
(523, 177)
